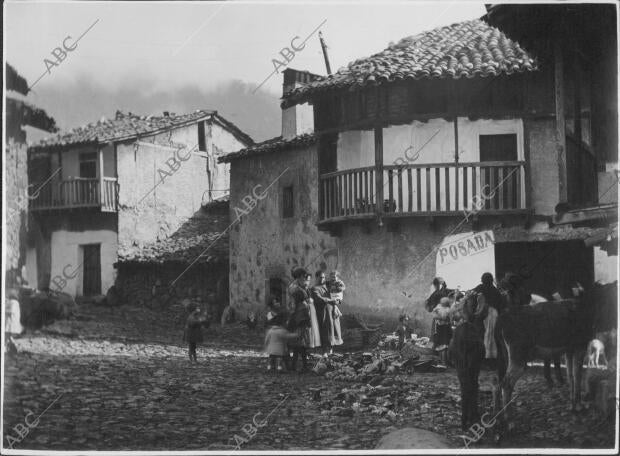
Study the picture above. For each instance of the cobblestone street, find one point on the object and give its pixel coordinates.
(115, 395)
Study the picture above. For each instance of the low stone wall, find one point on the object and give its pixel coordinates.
(148, 285)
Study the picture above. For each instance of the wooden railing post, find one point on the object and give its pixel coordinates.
(101, 183)
(379, 169)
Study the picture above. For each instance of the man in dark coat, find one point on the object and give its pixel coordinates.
(491, 294)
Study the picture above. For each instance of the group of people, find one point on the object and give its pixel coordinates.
(310, 320)
(446, 307)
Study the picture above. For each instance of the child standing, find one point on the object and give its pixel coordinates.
(193, 330)
(403, 331)
(276, 342)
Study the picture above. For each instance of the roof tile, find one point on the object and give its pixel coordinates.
(203, 238)
(466, 49)
(271, 145)
(128, 125)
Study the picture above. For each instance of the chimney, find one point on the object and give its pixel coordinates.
(297, 119)
(166, 114)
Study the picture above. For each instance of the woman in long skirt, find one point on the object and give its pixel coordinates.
(315, 335)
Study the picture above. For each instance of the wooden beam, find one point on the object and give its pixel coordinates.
(379, 170)
(560, 121)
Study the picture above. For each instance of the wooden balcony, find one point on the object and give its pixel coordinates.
(77, 193)
(424, 190)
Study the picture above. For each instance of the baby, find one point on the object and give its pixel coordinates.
(335, 286)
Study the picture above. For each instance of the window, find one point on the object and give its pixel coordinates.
(498, 147)
(88, 165)
(287, 202)
(202, 146)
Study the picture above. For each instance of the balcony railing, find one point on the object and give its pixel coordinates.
(77, 193)
(425, 189)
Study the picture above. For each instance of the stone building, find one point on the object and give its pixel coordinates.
(452, 152)
(20, 115)
(194, 259)
(118, 185)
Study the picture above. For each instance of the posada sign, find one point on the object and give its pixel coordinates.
(471, 245)
(462, 258)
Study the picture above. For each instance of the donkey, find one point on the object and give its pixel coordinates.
(548, 330)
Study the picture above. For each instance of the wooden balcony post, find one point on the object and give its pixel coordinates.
(456, 162)
(379, 169)
(101, 182)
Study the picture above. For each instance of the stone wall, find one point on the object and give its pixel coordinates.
(207, 284)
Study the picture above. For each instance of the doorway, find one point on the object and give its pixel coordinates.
(547, 267)
(91, 269)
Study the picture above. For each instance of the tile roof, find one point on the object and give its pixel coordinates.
(204, 233)
(556, 233)
(271, 145)
(466, 49)
(127, 125)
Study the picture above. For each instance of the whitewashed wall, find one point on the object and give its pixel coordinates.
(67, 250)
(425, 143)
(356, 148)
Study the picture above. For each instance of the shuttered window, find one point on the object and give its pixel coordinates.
(288, 209)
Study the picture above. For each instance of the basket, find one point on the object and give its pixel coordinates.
(352, 339)
(371, 337)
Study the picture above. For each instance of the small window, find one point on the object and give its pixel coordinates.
(276, 290)
(202, 146)
(287, 202)
(88, 165)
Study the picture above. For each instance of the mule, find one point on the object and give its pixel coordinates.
(557, 360)
(546, 330)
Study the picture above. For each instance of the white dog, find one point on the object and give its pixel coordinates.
(596, 354)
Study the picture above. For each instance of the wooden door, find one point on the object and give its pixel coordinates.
(92, 269)
(499, 148)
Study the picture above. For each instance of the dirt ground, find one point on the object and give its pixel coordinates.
(121, 380)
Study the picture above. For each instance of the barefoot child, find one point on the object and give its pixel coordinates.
(193, 330)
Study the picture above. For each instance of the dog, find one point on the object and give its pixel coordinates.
(596, 354)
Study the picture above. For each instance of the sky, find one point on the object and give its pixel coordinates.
(182, 56)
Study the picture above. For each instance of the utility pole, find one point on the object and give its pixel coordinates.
(324, 47)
